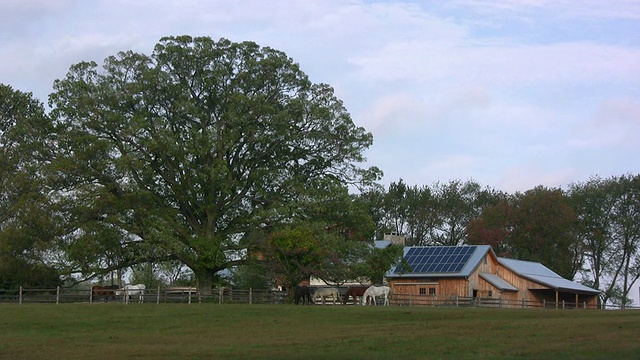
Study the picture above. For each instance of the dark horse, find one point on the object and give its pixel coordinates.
(303, 293)
(355, 291)
(107, 292)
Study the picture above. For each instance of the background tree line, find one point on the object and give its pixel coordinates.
(207, 156)
(590, 231)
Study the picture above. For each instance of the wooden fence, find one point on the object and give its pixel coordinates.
(190, 295)
(159, 295)
(458, 301)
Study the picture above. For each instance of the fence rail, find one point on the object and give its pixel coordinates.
(458, 301)
(190, 295)
(158, 295)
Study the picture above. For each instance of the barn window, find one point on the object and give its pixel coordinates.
(423, 291)
(432, 291)
(490, 293)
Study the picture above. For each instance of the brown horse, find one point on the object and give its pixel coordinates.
(105, 292)
(355, 291)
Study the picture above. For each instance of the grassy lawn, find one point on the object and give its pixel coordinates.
(212, 331)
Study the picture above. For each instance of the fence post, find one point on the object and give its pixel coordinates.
(57, 294)
(189, 295)
(544, 303)
(500, 302)
(410, 300)
(20, 297)
(220, 293)
(523, 303)
(250, 295)
(563, 304)
(158, 295)
(584, 305)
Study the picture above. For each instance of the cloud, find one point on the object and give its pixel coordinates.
(615, 125)
(528, 176)
(567, 9)
(513, 93)
(500, 64)
(622, 112)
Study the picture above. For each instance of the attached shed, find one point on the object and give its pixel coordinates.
(474, 271)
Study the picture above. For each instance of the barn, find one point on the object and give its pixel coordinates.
(436, 273)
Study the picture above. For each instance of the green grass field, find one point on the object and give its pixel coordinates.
(212, 331)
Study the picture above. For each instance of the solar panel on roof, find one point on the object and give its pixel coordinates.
(438, 259)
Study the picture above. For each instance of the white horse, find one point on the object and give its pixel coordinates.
(326, 292)
(375, 291)
(131, 290)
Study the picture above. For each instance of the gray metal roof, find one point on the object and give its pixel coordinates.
(541, 274)
(381, 244)
(498, 282)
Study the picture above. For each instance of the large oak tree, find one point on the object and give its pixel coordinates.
(186, 153)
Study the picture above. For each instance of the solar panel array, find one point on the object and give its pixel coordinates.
(438, 259)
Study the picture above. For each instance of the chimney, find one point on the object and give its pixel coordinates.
(395, 239)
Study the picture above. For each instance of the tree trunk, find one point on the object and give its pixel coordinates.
(205, 280)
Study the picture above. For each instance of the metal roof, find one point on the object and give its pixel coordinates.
(381, 244)
(425, 262)
(498, 282)
(541, 274)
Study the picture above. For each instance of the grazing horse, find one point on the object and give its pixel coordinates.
(326, 292)
(304, 293)
(131, 290)
(107, 292)
(375, 291)
(355, 292)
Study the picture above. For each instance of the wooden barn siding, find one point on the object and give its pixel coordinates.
(464, 287)
(488, 264)
(450, 286)
(443, 286)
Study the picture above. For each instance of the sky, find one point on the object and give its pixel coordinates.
(512, 94)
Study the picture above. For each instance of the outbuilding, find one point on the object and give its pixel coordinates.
(446, 273)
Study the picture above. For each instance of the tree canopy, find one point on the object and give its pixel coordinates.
(27, 229)
(609, 231)
(188, 152)
(537, 225)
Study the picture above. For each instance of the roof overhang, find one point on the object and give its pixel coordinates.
(498, 282)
